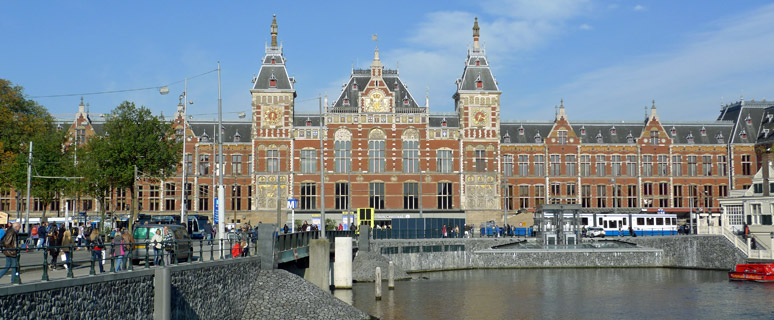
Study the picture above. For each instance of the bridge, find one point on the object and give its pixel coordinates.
(295, 246)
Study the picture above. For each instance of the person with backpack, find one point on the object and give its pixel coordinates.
(96, 245)
(53, 245)
(10, 250)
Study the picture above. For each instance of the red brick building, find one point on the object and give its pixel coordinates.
(384, 149)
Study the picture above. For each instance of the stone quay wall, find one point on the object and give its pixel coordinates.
(696, 251)
(126, 295)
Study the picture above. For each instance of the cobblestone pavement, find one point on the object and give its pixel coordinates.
(278, 294)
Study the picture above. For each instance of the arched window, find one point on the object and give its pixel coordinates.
(376, 142)
(410, 151)
(342, 150)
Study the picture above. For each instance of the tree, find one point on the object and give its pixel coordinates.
(49, 159)
(21, 120)
(96, 167)
(132, 137)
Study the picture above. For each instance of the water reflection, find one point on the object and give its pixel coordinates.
(569, 293)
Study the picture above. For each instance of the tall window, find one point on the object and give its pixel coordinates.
(723, 191)
(523, 197)
(677, 166)
(586, 196)
(376, 195)
(540, 194)
(556, 165)
(376, 156)
(249, 166)
(615, 164)
(154, 201)
(204, 164)
(601, 165)
(692, 166)
(722, 165)
(746, 165)
(480, 160)
(556, 193)
(308, 196)
(523, 165)
(647, 165)
(631, 196)
(569, 165)
(236, 164)
(204, 198)
(654, 137)
(631, 165)
(508, 165)
(342, 151)
(189, 166)
(342, 195)
(509, 197)
(663, 194)
(562, 136)
(662, 165)
(445, 197)
(706, 166)
(707, 196)
(617, 195)
(677, 196)
(410, 195)
(585, 165)
(540, 163)
(236, 197)
(169, 196)
(308, 161)
(444, 161)
(601, 196)
(272, 160)
(410, 156)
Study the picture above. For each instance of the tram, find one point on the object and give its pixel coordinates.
(643, 224)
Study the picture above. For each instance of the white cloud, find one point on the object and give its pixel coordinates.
(639, 7)
(686, 83)
(586, 27)
(535, 10)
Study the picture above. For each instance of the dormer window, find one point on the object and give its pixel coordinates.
(479, 83)
(443, 122)
(272, 81)
(720, 138)
(478, 62)
(538, 138)
(769, 117)
(689, 138)
(629, 138)
(743, 134)
(405, 100)
(703, 132)
(673, 131)
(396, 85)
(583, 131)
(612, 131)
(273, 61)
(521, 130)
(354, 85)
(204, 137)
(599, 137)
(507, 138)
(346, 100)
(308, 122)
(237, 137)
(748, 119)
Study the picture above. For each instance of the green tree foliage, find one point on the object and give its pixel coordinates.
(49, 159)
(20, 120)
(95, 165)
(132, 136)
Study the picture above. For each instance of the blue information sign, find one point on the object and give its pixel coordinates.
(216, 211)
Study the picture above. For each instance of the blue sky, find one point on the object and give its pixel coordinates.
(607, 59)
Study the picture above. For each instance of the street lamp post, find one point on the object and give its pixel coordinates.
(221, 191)
(184, 98)
(322, 172)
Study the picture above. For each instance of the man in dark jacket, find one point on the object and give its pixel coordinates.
(43, 234)
(10, 251)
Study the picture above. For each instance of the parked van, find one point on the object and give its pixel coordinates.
(143, 233)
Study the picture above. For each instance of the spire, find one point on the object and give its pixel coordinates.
(274, 31)
(81, 107)
(376, 65)
(561, 114)
(653, 114)
(475, 34)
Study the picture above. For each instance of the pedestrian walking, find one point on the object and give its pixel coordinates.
(10, 251)
(169, 246)
(128, 245)
(53, 245)
(117, 250)
(286, 229)
(42, 234)
(96, 245)
(158, 249)
(67, 240)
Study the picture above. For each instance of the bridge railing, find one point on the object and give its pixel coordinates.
(295, 240)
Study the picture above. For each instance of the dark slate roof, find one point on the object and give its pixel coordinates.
(273, 71)
(360, 78)
(436, 120)
(531, 130)
(713, 131)
(231, 128)
(740, 112)
(299, 119)
(766, 134)
(610, 132)
(473, 73)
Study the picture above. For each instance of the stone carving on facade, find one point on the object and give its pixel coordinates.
(266, 195)
(481, 192)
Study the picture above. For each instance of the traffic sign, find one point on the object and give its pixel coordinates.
(216, 211)
(292, 203)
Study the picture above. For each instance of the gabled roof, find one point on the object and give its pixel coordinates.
(230, 130)
(357, 83)
(436, 120)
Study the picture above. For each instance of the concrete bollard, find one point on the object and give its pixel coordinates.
(749, 246)
(319, 263)
(391, 276)
(342, 267)
(378, 283)
(162, 294)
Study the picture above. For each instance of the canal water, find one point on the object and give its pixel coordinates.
(567, 294)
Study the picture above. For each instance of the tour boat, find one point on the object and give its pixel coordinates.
(761, 272)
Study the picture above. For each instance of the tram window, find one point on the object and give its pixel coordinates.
(640, 221)
(674, 221)
(600, 221)
(614, 224)
(650, 221)
(624, 221)
(605, 224)
(660, 221)
(585, 221)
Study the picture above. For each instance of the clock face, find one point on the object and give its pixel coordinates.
(273, 116)
(479, 118)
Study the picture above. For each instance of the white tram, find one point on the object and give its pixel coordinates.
(643, 224)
